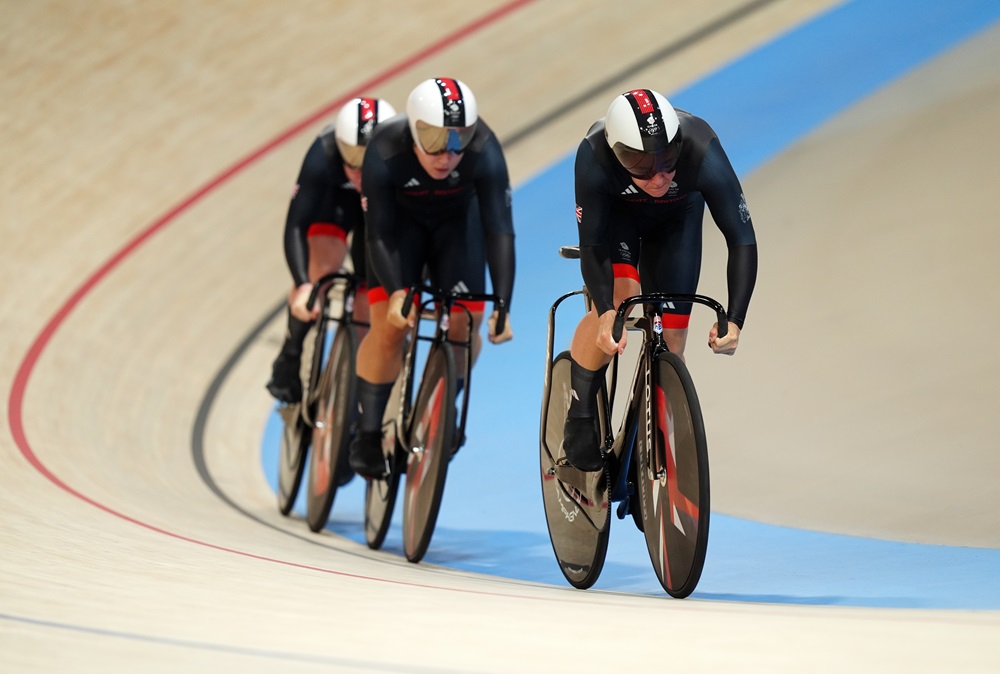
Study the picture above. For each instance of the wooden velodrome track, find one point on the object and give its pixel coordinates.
(147, 152)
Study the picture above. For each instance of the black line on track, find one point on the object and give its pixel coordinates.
(198, 455)
(204, 409)
(669, 50)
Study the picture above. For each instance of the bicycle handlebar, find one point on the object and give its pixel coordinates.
(623, 309)
(448, 297)
(326, 281)
(573, 253)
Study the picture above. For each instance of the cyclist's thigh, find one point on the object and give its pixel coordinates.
(458, 258)
(414, 243)
(671, 254)
(327, 249)
(625, 247)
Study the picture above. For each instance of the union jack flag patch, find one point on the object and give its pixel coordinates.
(579, 214)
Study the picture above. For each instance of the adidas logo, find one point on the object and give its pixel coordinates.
(412, 183)
(630, 190)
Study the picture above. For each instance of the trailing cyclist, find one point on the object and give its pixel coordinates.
(325, 208)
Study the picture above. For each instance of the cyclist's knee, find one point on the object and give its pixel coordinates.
(326, 255)
(625, 287)
(676, 339)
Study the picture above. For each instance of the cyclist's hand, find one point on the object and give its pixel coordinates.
(506, 335)
(724, 345)
(298, 300)
(395, 317)
(605, 341)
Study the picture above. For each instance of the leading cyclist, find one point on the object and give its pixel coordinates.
(644, 174)
(436, 194)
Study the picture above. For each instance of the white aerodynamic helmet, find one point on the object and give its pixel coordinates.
(355, 125)
(643, 131)
(442, 115)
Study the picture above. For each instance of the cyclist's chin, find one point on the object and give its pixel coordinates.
(654, 190)
(440, 173)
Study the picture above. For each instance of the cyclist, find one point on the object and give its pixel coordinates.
(436, 194)
(643, 175)
(325, 208)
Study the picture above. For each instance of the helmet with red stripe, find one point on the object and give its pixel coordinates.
(355, 125)
(642, 129)
(442, 115)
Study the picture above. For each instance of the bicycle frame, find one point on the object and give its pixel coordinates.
(619, 445)
(443, 303)
(321, 293)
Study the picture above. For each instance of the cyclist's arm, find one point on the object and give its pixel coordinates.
(494, 193)
(593, 207)
(310, 188)
(381, 235)
(718, 182)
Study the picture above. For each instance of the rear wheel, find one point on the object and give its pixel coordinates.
(672, 477)
(576, 502)
(431, 441)
(331, 436)
(291, 457)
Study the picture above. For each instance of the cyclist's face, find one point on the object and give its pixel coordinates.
(438, 166)
(656, 186)
(354, 175)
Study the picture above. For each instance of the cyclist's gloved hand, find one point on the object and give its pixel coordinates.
(605, 341)
(725, 345)
(395, 317)
(506, 335)
(298, 299)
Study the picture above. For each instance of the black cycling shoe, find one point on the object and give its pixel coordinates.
(582, 444)
(344, 471)
(286, 384)
(367, 459)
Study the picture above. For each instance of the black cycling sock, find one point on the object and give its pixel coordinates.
(585, 384)
(296, 335)
(372, 399)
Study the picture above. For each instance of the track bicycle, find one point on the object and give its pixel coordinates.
(421, 434)
(325, 418)
(655, 462)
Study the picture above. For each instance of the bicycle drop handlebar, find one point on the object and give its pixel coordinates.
(573, 253)
(653, 298)
(448, 297)
(325, 282)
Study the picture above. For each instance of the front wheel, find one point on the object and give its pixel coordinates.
(291, 456)
(331, 436)
(672, 476)
(431, 441)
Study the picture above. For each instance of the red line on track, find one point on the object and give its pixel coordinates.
(16, 401)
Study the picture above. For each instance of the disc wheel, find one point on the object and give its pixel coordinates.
(331, 435)
(576, 502)
(672, 477)
(291, 456)
(430, 442)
